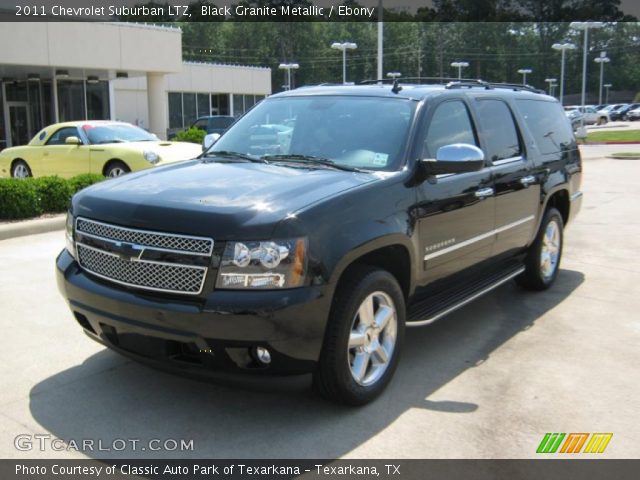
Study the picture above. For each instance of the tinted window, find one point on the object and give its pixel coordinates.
(61, 135)
(549, 126)
(498, 130)
(220, 122)
(201, 124)
(362, 132)
(450, 124)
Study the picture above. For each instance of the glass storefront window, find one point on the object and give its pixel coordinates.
(189, 108)
(98, 101)
(71, 100)
(203, 105)
(3, 141)
(238, 105)
(175, 110)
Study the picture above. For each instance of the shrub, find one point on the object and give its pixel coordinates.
(192, 135)
(29, 197)
(54, 194)
(637, 98)
(79, 182)
(18, 199)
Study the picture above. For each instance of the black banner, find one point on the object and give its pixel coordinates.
(543, 469)
(167, 11)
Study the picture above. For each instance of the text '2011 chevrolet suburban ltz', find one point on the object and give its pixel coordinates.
(320, 225)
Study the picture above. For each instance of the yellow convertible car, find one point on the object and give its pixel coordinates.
(102, 147)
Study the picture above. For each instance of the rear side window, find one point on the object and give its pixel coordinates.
(498, 130)
(549, 125)
(450, 124)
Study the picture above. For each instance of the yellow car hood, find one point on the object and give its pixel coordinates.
(168, 151)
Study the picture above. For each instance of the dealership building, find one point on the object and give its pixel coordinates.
(56, 72)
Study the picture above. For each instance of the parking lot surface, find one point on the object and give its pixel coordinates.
(487, 381)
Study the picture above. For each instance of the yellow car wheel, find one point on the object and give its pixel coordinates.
(115, 168)
(20, 169)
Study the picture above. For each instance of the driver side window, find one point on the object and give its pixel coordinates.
(449, 124)
(61, 135)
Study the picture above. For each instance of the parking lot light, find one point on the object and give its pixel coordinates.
(459, 66)
(343, 47)
(602, 59)
(563, 47)
(524, 72)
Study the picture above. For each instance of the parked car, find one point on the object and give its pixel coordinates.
(103, 147)
(616, 112)
(389, 208)
(633, 114)
(575, 117)
(621, 113)
(590, 115)
(211, 124)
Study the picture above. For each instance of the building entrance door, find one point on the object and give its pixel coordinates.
(19, 123)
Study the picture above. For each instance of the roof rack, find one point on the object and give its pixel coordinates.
(457, 83)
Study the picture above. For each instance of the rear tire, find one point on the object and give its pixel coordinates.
(364, 337)
(20, 169)
(116, 169)
(543, 257)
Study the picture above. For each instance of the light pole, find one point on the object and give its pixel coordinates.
(394, 75)
(563, 47)
(344, 46)
(459, 66)
(602, 59)
(552, 84)
(524, 72)
(585, 26)
(607, 86)
(288, 67)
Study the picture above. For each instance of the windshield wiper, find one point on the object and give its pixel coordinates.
(310, 159)
(232, 155)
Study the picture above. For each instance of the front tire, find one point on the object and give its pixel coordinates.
(364, 337)
(116, 169)
(20, 169)
(543, 258)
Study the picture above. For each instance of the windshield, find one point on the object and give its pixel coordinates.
(116, 133)
(358, 132)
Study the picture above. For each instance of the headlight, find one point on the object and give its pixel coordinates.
(264, 265)
(151, 157)
(69, 244)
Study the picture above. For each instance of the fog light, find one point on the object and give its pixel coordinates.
(263, 355)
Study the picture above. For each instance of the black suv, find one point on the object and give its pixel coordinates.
(320, 225)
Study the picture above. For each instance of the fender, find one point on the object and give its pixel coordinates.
(353, 255)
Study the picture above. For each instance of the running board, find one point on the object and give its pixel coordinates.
(436, 306)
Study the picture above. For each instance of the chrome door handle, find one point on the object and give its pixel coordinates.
(528, 180)
(484, 192)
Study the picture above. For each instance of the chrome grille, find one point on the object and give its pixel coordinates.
(159, 276)
(118, 254)
(166, 241)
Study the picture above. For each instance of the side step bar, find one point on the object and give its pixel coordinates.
(434, 307)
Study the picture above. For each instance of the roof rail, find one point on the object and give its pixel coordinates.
(457, 83)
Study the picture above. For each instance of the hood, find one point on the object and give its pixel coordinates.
(168, 151)
(221, 200)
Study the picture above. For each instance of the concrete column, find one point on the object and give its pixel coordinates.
(157, 100)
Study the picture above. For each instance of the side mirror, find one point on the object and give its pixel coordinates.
(209, 140)
(72, 141)
(581, 133)
(454, 158)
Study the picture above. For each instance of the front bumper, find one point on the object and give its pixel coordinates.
(203, 337)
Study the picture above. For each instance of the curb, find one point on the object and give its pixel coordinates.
(32, 227)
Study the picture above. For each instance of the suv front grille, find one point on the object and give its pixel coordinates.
(104, 253)
(180, 243)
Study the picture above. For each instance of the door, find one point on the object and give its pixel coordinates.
(455, 212)
(517, 188)
(59, 158)
(19, 123)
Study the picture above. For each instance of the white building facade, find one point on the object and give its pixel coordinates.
(55, 72)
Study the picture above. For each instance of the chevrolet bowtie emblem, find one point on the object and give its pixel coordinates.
(128, 251)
